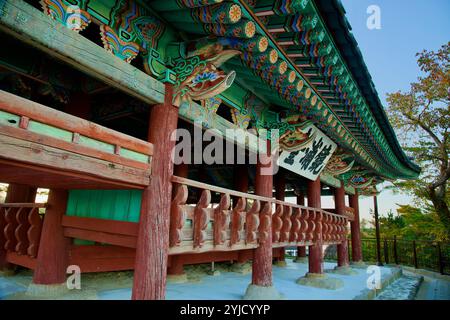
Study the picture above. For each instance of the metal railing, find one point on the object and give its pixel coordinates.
(420, 254)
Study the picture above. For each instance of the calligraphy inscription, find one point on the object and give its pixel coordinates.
(309, 162)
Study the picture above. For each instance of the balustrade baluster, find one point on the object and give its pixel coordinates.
(237, 221)
(10, 228)
(265, 218)
(287, 224)
(277, 223)
(221, 219)
(295, 225)
(305, 224)
(312, 224)
(177, 215)
(252, 223)
(34, 232)
(201, 218)
(20, 233)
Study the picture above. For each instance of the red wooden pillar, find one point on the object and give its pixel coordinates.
(315, 258)
(355, 229)
(153, 237)
(301, 251)
(19, 193)
(342, 249)
(262, 256)
(280, 192)
(16, 193)
(52, 259)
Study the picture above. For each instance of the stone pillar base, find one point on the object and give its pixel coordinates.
(242, 268)
(358, 264)
(318, 280)
(46, 291)
(255, 292)
(177, 278)
(344, 270)
(301, 260)
(280, 263)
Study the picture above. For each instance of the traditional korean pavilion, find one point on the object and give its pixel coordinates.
(92, 91)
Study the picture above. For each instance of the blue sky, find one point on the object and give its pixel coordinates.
(407, 27)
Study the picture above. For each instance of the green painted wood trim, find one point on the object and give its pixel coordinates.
(120, 205)
(28, 24)
(196, 114)
(130, 154)
(50, 131)
(9, 119)
(330, 180)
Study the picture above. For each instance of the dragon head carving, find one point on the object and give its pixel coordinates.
(198, 76)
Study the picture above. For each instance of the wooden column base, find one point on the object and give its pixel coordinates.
(342, 254)
(53, 255)
(315, 259)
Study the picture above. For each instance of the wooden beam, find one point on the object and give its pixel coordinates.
(38, 112)
(28, 24)
(38, 155)
(101, 225)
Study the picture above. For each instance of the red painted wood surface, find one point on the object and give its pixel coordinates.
(315, 251)
(262, 256)
(21, 260)
(301, 251)
(153, 237)
(221, 219)
(17, 193)
(237, 220)
(34, 233)
(355, 228)
(35, 111)
(342, 248)
(201, 218)
(53, 252)
(177, 215)
(56, 178)
(15, 224)
(252, 223)
(101, 258)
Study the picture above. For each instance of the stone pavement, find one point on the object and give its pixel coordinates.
(434, 289)
(404, 288)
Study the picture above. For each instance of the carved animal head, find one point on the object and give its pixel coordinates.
(205, 80)
(297, 138)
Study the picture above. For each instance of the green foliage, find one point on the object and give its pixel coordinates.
(409, 223)
(422, 117)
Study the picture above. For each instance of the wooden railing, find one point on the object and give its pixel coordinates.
(38, 138)
(212, 223)
(20, 228)
(222, 227)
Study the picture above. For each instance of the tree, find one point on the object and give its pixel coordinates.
(422, 115)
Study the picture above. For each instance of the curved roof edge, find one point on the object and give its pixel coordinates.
(333, 13)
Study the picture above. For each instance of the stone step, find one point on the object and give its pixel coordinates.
(404, 288)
